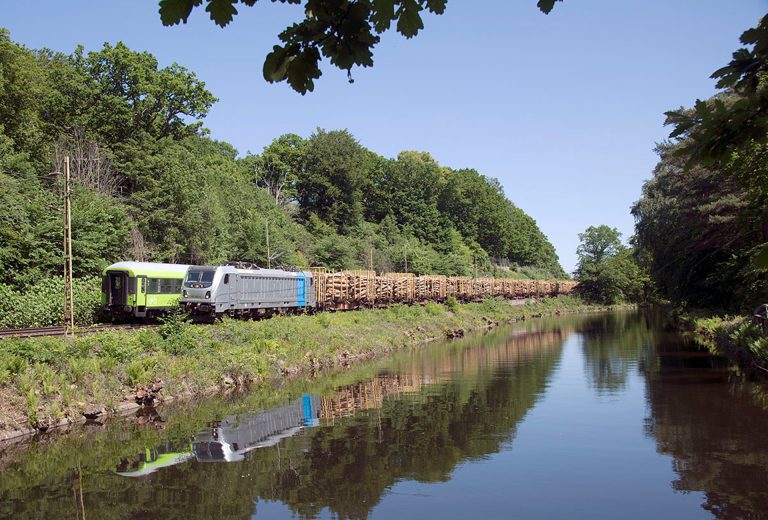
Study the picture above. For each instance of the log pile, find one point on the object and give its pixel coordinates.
(395, 288)
(431, 288)
(355, 289)
(349, 289)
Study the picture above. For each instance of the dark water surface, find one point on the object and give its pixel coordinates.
(599, 416)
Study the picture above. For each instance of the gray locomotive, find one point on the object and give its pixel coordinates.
(209, 292)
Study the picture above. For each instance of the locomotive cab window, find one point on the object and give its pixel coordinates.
(226, 278)
(199, 278)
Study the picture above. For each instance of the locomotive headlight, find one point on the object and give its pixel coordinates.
(184, 293)
(208, 295)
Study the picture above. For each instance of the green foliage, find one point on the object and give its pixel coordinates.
(700, 228)
(739, 337)
(344, 31)
(607, 270)
(124, 96)
(331, 184)
(41, 304)
(179, 336)
(726, 137)
(717, 127)
(162, 191)
(279, 167)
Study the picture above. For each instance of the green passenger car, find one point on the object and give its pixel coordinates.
(141, 289)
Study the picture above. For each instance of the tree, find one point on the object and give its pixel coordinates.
(607, 270)
(476, 206)
(331, 184)
(124, 96)
(597, 244)
(279, 167)
(344, 31)
(150, 185)
(734, 123)
(700, 229)
(23, 92)
(716, 127)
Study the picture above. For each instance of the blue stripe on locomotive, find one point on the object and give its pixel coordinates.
(301, 290)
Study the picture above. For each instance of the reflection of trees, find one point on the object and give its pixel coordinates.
(347, 464)
(714, 427)
(614, 344)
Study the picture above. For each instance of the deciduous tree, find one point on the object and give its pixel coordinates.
(344, 31)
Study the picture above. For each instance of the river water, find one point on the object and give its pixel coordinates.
(592, 416)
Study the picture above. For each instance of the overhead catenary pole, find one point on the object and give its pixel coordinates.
(65, 315)
(69, 302)
(269, 260)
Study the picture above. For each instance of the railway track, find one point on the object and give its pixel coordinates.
(62, 331)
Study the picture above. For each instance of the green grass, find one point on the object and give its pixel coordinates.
(45, 379)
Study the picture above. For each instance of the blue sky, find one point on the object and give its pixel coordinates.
(563, 109)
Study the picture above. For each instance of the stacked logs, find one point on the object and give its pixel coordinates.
(355, 289)
(395, 288)
(431, 288)
(348, 289)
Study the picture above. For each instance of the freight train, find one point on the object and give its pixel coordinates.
(144, 290)
(211, 292)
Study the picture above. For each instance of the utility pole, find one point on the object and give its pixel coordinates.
(269, 260)
(69, 297)
(405, 255)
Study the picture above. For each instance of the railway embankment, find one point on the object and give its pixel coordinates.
(54, 381)
(739, 338)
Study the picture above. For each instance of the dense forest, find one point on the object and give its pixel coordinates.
(151, 184)
(702, 220)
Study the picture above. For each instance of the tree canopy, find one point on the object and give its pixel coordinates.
(150, 184)
(723, 132)
(702, 220)
(607, 271)
(343, 31)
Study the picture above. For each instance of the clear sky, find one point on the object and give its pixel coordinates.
(563, 109)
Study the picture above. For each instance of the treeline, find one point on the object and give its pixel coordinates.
(700, 229)
(150, 184)
(702, 220)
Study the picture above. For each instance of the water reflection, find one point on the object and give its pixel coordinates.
(714, 425)
(429, 411)
(424, 417)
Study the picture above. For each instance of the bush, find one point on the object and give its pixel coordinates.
(41, 305)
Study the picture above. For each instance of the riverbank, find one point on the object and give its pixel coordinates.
(736, 337)
(49, 382)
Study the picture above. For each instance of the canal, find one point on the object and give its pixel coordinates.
(590, 416)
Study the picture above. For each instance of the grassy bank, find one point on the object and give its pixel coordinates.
(50, 381)
(737, 337)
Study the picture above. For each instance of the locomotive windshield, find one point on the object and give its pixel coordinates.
(200, 276)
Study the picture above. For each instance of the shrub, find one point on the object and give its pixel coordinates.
(41, 304)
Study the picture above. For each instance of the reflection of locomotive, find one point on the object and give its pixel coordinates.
(232, 437)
